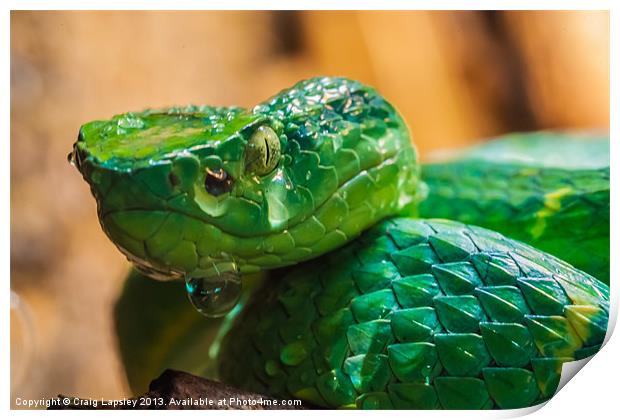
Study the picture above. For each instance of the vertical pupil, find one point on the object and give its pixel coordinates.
(262, 151)
(267, 150)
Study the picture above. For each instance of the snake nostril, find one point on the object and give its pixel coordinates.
(173, 179)
(217, 181)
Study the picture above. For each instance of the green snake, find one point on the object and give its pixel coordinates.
(386, 311)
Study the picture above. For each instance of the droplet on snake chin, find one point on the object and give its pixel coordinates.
(214, 296)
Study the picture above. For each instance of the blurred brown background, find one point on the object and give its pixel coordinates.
(456, 77)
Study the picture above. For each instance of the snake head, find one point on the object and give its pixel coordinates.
(192, 191)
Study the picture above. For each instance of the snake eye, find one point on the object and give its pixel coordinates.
(217, 182)
(263, 151)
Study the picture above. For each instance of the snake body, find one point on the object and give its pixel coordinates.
(414, 313)
(419, 314)
(553, 188)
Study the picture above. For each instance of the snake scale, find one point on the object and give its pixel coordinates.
(368, 305)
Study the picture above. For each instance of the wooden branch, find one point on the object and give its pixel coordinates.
(180, 390)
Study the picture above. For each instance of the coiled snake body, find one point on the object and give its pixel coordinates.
(414, 313)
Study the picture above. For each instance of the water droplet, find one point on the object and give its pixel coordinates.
(308, 175)
(214, 296)
(130, 121)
